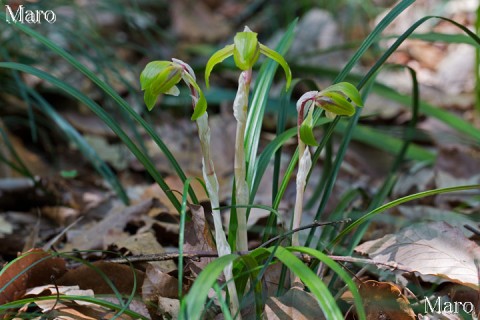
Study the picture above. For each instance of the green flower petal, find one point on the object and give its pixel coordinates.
(159, 77)
(246, 50)
(278, 58)
(336, 103)
(306, 130)
(217, 58)
(346, 89)
(201, 104)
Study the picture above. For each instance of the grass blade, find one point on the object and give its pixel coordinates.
(86, 150)
(95, 108)
(399, 201)
(317, 287)
(110, 92)
(192, 306)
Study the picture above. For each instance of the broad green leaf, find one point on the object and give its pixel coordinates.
(337, 104)
(347, 89)
(246, 49)
(306, 130)
(217, 58)
(272, 54)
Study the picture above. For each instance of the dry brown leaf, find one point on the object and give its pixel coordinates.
(122, 277)
(295, 304)
(34, 268)
(146, 243)
(198, 238)
(385, 300)
(159, 284)
(434, 249)
(115, 221)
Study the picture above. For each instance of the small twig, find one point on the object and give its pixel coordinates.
(315, 224)
(472, 229)
(211, 254)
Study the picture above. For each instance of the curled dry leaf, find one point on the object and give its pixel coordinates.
(34, 268)
(434, 249)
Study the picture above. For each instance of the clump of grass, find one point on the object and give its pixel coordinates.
(340, 99)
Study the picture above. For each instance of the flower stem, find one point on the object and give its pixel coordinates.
(240, 108)
(211, 183)
(305, 163)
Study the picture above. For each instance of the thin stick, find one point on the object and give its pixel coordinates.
(308, 226)
(210, 254)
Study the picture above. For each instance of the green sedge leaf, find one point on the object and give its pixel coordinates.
(336, 103)
(348, 90)
(217, 58)
(306, 130)
(272, 54)
(246, 50)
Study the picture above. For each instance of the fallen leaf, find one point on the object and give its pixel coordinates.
(434, 249)
(33, 268)
(295, 304)
(146, 243)
(168, 308)
(159, 284)
(385, 300)
(123, 278)
(198, 238)
(116, 220)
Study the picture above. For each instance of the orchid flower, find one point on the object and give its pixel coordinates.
(162, 77)
(246, 50)
(335, 101)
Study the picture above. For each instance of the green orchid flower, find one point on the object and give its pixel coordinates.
(162, 77)
(246, 50)
(337, 100)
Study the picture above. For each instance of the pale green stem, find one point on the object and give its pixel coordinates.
(240, 108)
(211, 183)
(303, 168)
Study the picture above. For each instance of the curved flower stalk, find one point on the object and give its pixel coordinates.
(246, 50)
(161, 77)
(335, 101)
